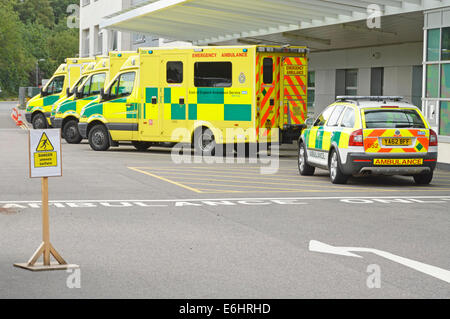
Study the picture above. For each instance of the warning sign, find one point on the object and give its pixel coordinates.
(44, 144)
(45, 153)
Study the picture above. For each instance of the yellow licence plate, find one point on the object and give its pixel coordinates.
(396, 141)
(398, 162)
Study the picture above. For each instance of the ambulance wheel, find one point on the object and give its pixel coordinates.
(71, 133)
(303, 167)
(141, 146)
(204, 142)
(423, 179)
(99, 138)
(336, 175)
(39, 121)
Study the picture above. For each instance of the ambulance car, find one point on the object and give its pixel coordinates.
(67, 113)
(206, 92)
(369, 136)
(39, 108)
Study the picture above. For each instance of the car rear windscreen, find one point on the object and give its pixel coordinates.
(399, 118)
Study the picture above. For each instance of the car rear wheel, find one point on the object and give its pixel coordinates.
(99, 138)
(71, 133)
(423, 179)
(39, 121)
(336, 175)
(303, 167)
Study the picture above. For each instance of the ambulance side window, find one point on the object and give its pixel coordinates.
(334, 118)
(348, 120)
(56, 86)
(267, 71)
(323, 118)
(122, 86)
(97, 83)
(87, 87)
(213, 74)
(174, 72)
(112, 94)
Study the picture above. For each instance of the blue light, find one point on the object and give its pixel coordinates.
(245, 50)
(119, 55)
(150, 52)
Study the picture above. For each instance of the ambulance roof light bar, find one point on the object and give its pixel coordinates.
(369, 98)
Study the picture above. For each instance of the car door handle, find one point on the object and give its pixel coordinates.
(154, 100)
(130, 104)
(181, 101)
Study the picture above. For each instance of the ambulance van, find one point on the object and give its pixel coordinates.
(71, 91)
(39, 108)
(67, 114)
(202, 96)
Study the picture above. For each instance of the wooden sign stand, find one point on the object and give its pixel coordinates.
(46, 248)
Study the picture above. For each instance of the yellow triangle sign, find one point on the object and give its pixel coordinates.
(44, 144)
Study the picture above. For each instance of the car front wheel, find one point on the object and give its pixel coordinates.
(99, 138)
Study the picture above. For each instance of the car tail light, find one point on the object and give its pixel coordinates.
(356, 138)
(433, 138)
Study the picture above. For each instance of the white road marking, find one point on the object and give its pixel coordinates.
(116, 203)
(444, 198)
(436, 272)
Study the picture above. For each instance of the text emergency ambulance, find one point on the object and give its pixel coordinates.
(97, 75)
(260, 91)
(39, 107)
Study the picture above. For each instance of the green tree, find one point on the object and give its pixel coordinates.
(36, 11)
(16, 63)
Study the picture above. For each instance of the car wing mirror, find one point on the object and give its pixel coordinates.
(309, 121)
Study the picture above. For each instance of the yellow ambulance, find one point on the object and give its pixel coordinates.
(206, 96)
(71, 91)
(39, 108)
(67, 114)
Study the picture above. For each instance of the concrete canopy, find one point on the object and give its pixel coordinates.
(220, 21)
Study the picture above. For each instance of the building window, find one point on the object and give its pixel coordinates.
(445, 44)
(85, 2)
(351, 82)
(174, 72)
(114, 41)
(213, 74)
(376, 81)
(432, 81)
(436, 99)
(86, 42)
(433, 44)
(138, 38)
(445, 81)
(98, 40)
(444, 123)
(311, 91)
(267, 71)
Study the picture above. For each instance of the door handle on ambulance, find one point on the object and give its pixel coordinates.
(181, 101)
(154, 100)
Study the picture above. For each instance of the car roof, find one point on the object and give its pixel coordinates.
(363, 102)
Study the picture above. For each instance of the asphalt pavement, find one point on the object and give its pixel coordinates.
(155, 225)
